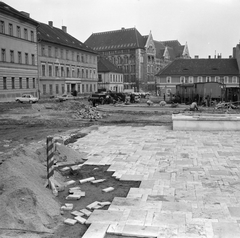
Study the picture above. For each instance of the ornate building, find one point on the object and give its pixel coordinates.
(139, 57)
(18, 59)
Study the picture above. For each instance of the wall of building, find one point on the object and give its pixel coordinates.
(64, 72)
(18, 58)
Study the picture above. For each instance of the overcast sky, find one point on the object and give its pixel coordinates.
(208, 26)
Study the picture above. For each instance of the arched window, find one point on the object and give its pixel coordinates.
(182, 79)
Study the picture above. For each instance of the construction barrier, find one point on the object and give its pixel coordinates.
(50, 158)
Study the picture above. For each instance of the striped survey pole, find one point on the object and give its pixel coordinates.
(50, 158)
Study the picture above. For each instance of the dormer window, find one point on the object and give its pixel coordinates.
(168, 80)
(182, 79)
(208, 79)
(199, 79)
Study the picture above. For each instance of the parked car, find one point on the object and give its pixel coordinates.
(65, 97)
(26, 98)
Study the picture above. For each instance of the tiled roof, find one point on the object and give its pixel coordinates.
(201, 67)
(159, 49)
(176, 46)
(8, 10)
(104, 65)
(58, 36)
(120, 39)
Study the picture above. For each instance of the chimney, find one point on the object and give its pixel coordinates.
(230, 57)
(64, 28)
(26, 14)
(50, 23)
(209, 56)
(196, 57)
(122, 28)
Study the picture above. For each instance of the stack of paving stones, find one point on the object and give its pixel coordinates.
(190, 184)
(75, 193)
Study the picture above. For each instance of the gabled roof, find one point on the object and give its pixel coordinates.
(58, 36)
(201, 67)
(120, 39)
(104, 66)
(8, 10)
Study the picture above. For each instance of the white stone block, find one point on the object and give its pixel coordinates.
(87, 180)
(98, 181)
(92, 205)
(109, 189)
(70, 182)
(80, 219)
(77, 213)
(70, 221)
(86, 212)
(73, 197)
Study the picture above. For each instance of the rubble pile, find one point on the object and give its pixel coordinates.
(88, 113)
(81, 110)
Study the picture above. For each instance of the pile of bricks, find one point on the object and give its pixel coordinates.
(75, 193)
(87, 113)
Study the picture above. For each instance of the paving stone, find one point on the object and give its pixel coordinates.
(77, 213)
(80, 219)
(70, 221)
(226, 229)
(107, 190)
(86, 212)
(140, 231)
(105, 216)
(96, 230)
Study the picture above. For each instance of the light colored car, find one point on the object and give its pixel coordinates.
(26, 98)
(65, 97)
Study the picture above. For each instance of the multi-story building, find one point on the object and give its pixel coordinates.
(139, 57)
(18, 57)
(110, 77)
(188, 71)
(65, 64)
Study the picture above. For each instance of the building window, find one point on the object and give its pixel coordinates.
(50, 70)
(3, 54)
(50, 89)
(78, 73)
(86, 73)
(2, 27)
(73, 73)
(68, 88)
(43, 70)
(62, 72)
(27, 82)
(56, 71)
(168, 79)
(11, 56)
(44, 89)
(18, 31)
(4, 82)
(13, 83)
(199, 79)
(63, 88)
(225, 79)
(182, 79)
(217, 79)
(32, 36)
(68, 72)
(10, 27)
(67, 54)
(34, 85)
(78, 58)
(208, 79)
(19, 57)
(190, 79)
(234, 79)
(56, 52)
(83, 88)
(79, 87)
(43, 50)
(49, 51)
(61, 53)
(20, 83)
(86, 88)
(57, 90)
(72, 56)
(25, 34)
(26, 58)
(83, 73)
(33, 59)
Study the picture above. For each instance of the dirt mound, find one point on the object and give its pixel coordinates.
(25, 204)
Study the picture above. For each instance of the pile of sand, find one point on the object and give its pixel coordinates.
(25, 204)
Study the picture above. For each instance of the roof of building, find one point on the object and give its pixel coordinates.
(58, 36)
(23, 16)
(114, 40)
(199, 67)
(104, 66)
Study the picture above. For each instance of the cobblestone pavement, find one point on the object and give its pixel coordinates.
(190, 184)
